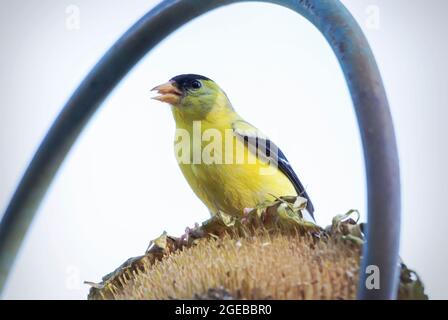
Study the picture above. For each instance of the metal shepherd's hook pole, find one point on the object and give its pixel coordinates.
(364, 81)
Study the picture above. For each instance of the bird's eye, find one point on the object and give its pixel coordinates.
(196, 84)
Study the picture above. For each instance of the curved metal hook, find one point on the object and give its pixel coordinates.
(366, 88)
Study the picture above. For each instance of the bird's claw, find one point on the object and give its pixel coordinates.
(246, 212)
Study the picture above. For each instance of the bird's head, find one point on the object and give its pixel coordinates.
(193, 95)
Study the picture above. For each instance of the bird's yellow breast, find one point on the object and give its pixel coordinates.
(226, 178)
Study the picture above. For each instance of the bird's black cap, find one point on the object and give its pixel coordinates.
(185, 80)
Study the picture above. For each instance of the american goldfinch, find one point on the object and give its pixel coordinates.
(229, 164)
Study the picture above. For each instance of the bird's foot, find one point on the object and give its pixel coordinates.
(246, 212)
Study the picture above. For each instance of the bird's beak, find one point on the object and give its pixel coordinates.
(169, 93)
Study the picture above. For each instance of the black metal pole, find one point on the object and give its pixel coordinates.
(363, 79)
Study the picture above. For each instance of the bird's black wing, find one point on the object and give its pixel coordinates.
(270, 151)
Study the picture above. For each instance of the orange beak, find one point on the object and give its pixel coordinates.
(168, 93)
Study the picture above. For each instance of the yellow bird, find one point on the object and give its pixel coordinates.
(229, 164)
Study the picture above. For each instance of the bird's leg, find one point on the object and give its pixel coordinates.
(193, 233)
(246, 212)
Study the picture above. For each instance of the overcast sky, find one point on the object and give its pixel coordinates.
(120, 186)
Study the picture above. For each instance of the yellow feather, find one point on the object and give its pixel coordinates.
(227, 187)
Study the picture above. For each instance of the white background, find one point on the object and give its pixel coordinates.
(120, 185)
